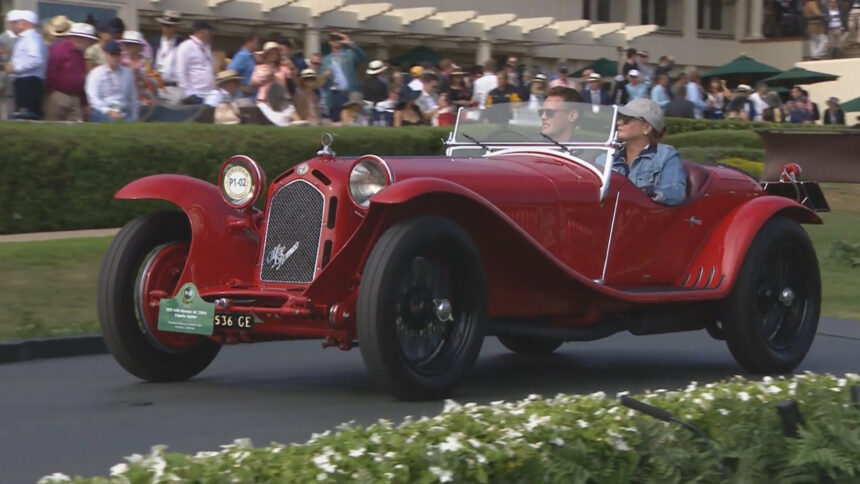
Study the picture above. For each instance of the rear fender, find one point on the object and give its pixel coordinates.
(221, 253)
(522, 274)
(719, 261)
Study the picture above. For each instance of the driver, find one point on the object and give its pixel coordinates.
(558, 119)
(653, 167)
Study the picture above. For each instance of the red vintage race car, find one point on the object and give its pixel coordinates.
(416, 259)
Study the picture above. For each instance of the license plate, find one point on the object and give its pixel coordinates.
(241, 321)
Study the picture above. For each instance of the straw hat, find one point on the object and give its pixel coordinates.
(83, 30)
(355, 99)
(132, 37)
(308, 74)
(58, 25)
(170, 17)
(269, 46)
(594, 76)
(228, 75)
(376, 67)
(540, 77)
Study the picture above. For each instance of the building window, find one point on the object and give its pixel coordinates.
(711, 13)
(655, 12)
(596, 10)
(76, 13)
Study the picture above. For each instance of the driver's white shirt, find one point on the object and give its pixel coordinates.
(483, 86)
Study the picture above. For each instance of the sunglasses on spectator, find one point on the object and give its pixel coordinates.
(550, 113)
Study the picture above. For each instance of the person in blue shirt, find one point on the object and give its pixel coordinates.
(339, 69)
(660, 92)
(636, 89)
(653, 167)
(243, 63)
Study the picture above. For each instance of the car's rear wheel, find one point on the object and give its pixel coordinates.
(529, 345)
(421, 311)
(771, 317)
(145, 258)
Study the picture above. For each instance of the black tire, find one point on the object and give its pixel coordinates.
(121, 322)
(771, 316)
(420, 262)
(529, 345)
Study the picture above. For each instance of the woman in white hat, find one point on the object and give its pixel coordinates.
(271, 72)
(307, 100)
(653, 167)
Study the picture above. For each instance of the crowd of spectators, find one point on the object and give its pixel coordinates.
(75, 71)
(831, 26)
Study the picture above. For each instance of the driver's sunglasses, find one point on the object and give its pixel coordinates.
(623, 119)
(550, 113)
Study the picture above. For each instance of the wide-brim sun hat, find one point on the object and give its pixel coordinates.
(269, 46)
(376, 67)
(170, 17)
(82, 30)
(355, 99)
(227, 75)
(58, 25)
(646, 110)
(540, 78)
(594, 77)
(308, 74)
(132, 37)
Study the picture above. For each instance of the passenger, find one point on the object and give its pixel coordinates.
(558, 119)
(653, 167)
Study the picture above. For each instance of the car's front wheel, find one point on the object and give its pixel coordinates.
(146, 258)
(771, 317)
(421, 311)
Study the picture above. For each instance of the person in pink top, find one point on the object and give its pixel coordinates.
(269, 73)
(563, 79)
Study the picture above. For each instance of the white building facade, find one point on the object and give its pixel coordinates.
(698, 33)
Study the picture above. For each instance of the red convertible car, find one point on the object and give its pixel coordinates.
(415, 260)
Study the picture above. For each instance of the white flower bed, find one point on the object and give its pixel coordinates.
(567, 438)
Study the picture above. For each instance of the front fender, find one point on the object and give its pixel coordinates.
(220, 254)
(724, 251)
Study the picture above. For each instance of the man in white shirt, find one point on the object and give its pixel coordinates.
(7, 91)
(195, 66)
(27, 65)
(166, 47)
(758, 101)
(486, 83)
(111, 89)
(428, 100)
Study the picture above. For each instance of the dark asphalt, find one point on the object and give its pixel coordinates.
(81, 415)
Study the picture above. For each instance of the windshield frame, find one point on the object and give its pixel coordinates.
(496, 148)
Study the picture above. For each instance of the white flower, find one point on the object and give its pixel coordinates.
(451, 444)
(277, 450)
(767, 379)
(773, 389)
(612, 410)
(558, 441)
(321, 461)
(451, 406)
(55, 477)
(481, 459)
(357, 452)
(204, 454)
(841, 382)
(535, 421)
(743, 396)
(621, 394)
(724, 412)
(322, 476)
(582, 424)
(389, 455)
(615, 440)
(119, 469)
(474, 443)
(245, 443)
(708, 396)
(518, 411)
(376, 439)
(444, 475)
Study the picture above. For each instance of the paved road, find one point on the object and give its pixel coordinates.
(81, 415)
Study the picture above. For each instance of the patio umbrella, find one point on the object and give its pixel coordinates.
(743, 69)
(852, 105)
(418, 55)
(799, 75)
(603, 66)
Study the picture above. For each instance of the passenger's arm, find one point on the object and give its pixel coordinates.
(671, 187)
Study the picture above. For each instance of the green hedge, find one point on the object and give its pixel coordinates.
(711, 154)
(681, 125)
(566, 439)
(62, 177)
(716, 137)
(752, 168)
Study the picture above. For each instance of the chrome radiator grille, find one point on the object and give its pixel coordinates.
(293, 234)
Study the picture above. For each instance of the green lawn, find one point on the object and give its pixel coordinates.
(49, 288)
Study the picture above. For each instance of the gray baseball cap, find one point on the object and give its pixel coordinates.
(646, 110)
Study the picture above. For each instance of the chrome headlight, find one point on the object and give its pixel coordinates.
(241, 181)
(367, 178)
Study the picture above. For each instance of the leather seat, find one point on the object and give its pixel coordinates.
(697, 180)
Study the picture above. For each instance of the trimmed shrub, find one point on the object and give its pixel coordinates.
(63, 177)
(712, 154)
(751, 168)
(681, 125)
(563, 439)
(716, 137)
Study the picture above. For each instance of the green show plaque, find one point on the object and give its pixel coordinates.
(186, 313)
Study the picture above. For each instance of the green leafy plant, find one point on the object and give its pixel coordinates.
(751, 168)
(845, 252)
(568, 438)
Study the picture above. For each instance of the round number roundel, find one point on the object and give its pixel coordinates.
(238, 183)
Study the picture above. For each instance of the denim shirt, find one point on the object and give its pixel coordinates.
(658, 171)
